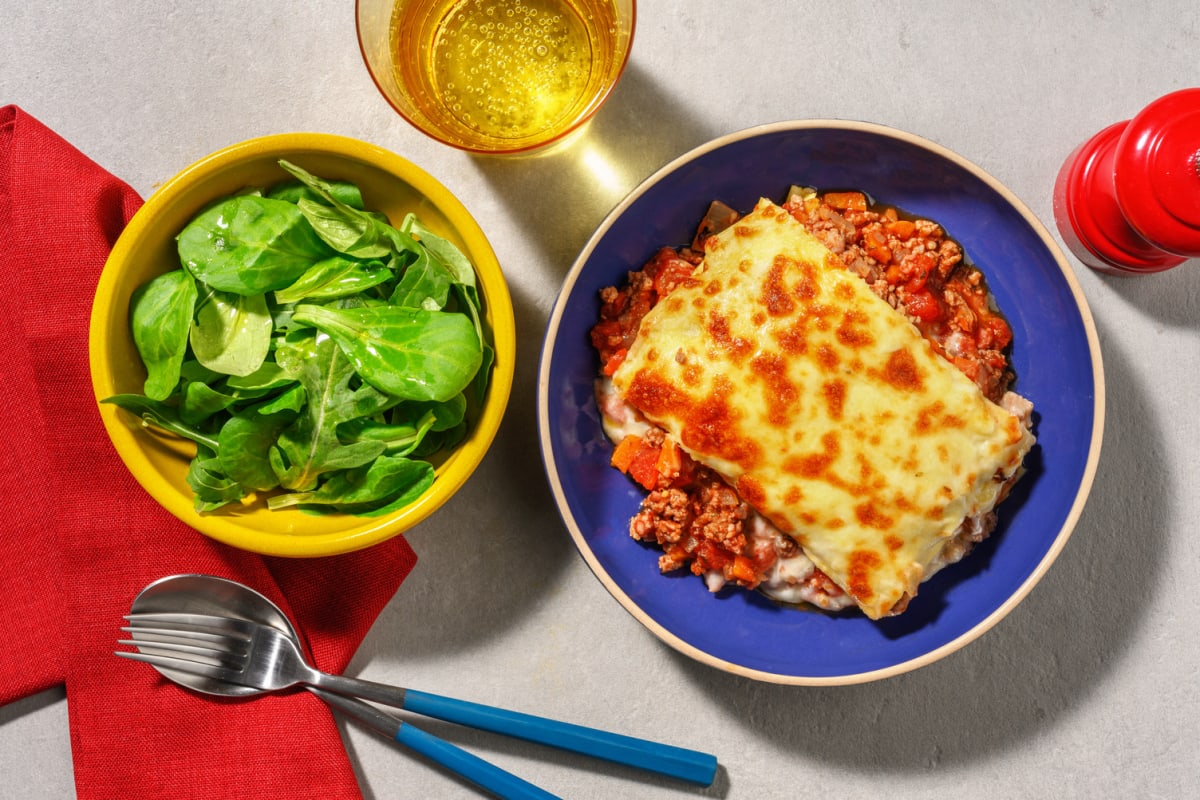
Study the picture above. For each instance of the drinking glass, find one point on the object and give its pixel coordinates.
(496, 76)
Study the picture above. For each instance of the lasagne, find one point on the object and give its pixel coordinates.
(794, 417)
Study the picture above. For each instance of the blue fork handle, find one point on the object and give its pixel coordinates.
(482, 773)
(665, 759)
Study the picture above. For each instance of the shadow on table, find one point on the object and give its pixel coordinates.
(503, 522)
(1027, 673)
(1164, 296)
(559, 196)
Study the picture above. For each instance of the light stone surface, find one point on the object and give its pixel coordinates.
(1089, 689)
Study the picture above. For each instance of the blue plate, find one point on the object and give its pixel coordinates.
(1056, 357)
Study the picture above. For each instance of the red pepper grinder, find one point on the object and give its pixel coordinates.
(1127, 201)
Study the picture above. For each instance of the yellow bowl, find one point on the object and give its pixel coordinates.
(146, 248)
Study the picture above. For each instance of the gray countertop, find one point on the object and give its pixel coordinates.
(1090, 688)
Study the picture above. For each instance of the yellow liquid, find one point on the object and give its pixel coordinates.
(505, 73)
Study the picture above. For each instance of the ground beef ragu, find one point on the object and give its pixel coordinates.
(697, 519)
(919, 271)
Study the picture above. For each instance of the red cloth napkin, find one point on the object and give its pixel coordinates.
(81, 538)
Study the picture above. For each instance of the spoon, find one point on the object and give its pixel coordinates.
(202, 594)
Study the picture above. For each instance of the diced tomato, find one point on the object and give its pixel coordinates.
(917, 282)
(711, 556)
(924, 263)
(994, 334)
(667, 269)
(967, 366)
(604, 334)
(644, 467)
(615, 361)
(923, 305)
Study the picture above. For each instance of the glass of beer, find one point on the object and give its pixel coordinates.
(496, 76)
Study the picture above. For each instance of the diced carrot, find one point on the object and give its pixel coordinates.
(676, 552)
(846, 201)
(669, 460)
(742, 569)
(876, 245)
(624, 452)
(902, 229)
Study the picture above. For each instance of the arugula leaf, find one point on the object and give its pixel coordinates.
(250, 245)
(398, 439)
(337, 276)
(160, 316)
(198, 401)
(388, 479)
(443, 249)
(292, 398)
(344, 228)
(293, 191)
(232, 333)
(448, 254)
(160, 415)
(267, 377)
(410, 353)
(445, 415)
(424, 284)
(245, 443)
(309, 447)
(193, 370)
(212, 488)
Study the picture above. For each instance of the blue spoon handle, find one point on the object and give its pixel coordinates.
(488, 776)
(665, 759)
(503, 784)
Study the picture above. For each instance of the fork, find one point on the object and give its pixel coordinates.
(257, 655)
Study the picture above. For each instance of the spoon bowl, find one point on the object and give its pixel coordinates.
(206, 594)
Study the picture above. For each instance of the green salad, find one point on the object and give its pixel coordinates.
(313, 351)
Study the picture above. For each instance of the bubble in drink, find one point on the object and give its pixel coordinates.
(488, 70)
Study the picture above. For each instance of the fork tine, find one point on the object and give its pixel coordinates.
(194, 652)
(201, 623)
(184, 665)
(221, 640)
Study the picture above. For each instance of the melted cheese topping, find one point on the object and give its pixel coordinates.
(823, 406)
